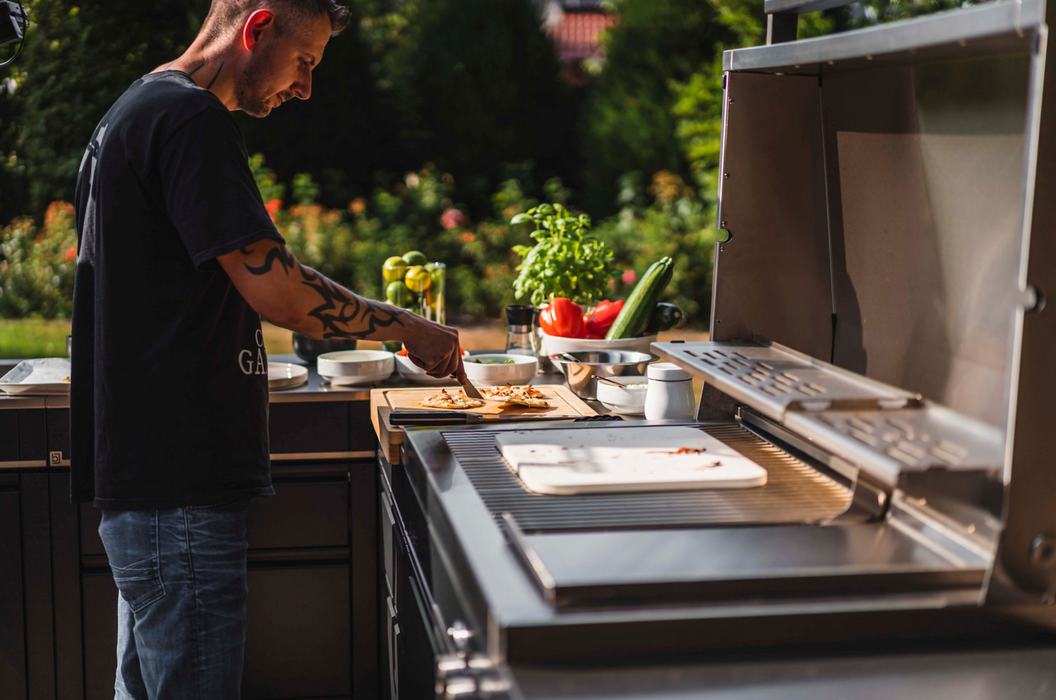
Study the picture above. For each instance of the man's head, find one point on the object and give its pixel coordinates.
(277, 43)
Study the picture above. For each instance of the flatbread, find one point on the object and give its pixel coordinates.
(455, 400)
(517, 395)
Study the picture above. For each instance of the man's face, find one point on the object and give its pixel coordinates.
(280, 67)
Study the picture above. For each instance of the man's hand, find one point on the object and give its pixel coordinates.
(434, 348)
(293, 296)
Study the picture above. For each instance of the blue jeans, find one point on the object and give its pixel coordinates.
(181, 614)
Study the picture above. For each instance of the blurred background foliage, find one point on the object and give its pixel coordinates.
(422, 108)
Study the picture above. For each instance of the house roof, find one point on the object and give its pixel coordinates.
(576, 34)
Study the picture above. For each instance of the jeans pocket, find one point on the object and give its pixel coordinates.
(131, 542)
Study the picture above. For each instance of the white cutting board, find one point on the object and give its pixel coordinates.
(612, 460)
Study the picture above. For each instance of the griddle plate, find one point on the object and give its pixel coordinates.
(795, 492)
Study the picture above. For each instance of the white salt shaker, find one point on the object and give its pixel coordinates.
(670, 392)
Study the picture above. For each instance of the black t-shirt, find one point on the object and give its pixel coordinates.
(169, 394)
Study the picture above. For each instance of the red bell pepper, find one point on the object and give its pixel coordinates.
(562, 318)
(603, 317)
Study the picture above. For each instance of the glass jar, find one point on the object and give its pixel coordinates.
(421, 290)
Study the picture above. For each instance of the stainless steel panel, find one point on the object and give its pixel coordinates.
(927, 185)
(772, 275)
(993, 26)
(1027, 556)
(702, 564)
(776, 381)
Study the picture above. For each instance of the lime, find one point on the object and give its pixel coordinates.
(394, 269)
(415, 257)
(397, 293)
(418, 279)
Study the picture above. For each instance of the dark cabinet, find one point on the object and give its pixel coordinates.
(12, 627)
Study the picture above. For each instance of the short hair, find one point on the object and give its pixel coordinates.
(225, 15)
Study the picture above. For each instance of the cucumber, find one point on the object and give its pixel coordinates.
(666, 317)
(639, 306)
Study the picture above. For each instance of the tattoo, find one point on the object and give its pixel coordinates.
(197, 68)
(339, 307)
(280, 253)
(215, 76)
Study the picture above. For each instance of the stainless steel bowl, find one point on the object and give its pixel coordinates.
(590, 364)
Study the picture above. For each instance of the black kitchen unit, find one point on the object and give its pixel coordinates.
(312, 625)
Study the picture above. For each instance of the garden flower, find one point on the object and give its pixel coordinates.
(358, 206)
(273, 208)
(629, 277)
(71, 254)
(453, 218)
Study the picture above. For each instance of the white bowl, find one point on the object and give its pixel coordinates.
(553, 344)
(354, 367)
(628, 399)
(522, 370)
(416, 375)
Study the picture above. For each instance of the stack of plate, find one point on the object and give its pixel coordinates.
(283, 375)
(355, 367)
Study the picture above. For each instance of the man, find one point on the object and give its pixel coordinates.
(177, 261)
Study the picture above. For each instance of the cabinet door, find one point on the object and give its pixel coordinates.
(298, 636)
(12, 630)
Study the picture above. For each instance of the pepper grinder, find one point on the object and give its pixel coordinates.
(670, 392)
(520, 339)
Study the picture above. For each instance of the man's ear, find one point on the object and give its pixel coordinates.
(256, 25)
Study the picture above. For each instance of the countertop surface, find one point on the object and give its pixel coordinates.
(316, 389)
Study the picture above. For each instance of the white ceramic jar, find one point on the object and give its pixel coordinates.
(670, 393)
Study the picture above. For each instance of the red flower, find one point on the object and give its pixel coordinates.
(468, 237)
(273, 208)
(453, 218)
(71, 253)
(629, 277)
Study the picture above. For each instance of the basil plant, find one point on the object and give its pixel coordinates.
(566, 260)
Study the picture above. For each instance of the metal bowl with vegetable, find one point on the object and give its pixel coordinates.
(582, 368)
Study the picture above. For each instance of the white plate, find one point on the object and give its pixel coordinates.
(606, 460)
(42, 377)
(416, 375)
(355, 367)
(522, 371)
(284, 375)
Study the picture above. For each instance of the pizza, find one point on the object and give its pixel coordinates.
(517, 395)
(453, 400)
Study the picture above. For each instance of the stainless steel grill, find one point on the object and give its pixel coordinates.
(794, 493)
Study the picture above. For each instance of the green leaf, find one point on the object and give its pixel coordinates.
(520, 219)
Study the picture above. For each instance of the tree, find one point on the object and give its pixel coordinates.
(77, 61)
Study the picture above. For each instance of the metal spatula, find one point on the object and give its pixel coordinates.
(471, 391)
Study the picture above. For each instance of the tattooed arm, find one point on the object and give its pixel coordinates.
(294, 296)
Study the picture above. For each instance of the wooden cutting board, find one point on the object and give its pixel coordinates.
(561, 399)
(606, 460)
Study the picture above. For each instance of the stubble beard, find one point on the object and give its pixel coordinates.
(251, 88)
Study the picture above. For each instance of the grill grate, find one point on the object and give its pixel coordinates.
(794, 493)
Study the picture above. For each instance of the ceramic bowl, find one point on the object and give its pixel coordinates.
(582, 367)
(521, 371)
(416, 375)
(626, 400)
(355, 367)
(553, 344)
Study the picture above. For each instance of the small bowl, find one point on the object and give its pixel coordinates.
(416, 375)
(355, 367)
(554, 344)
(590, 364)
(309, 349)
(521, 371)
(627, 400)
